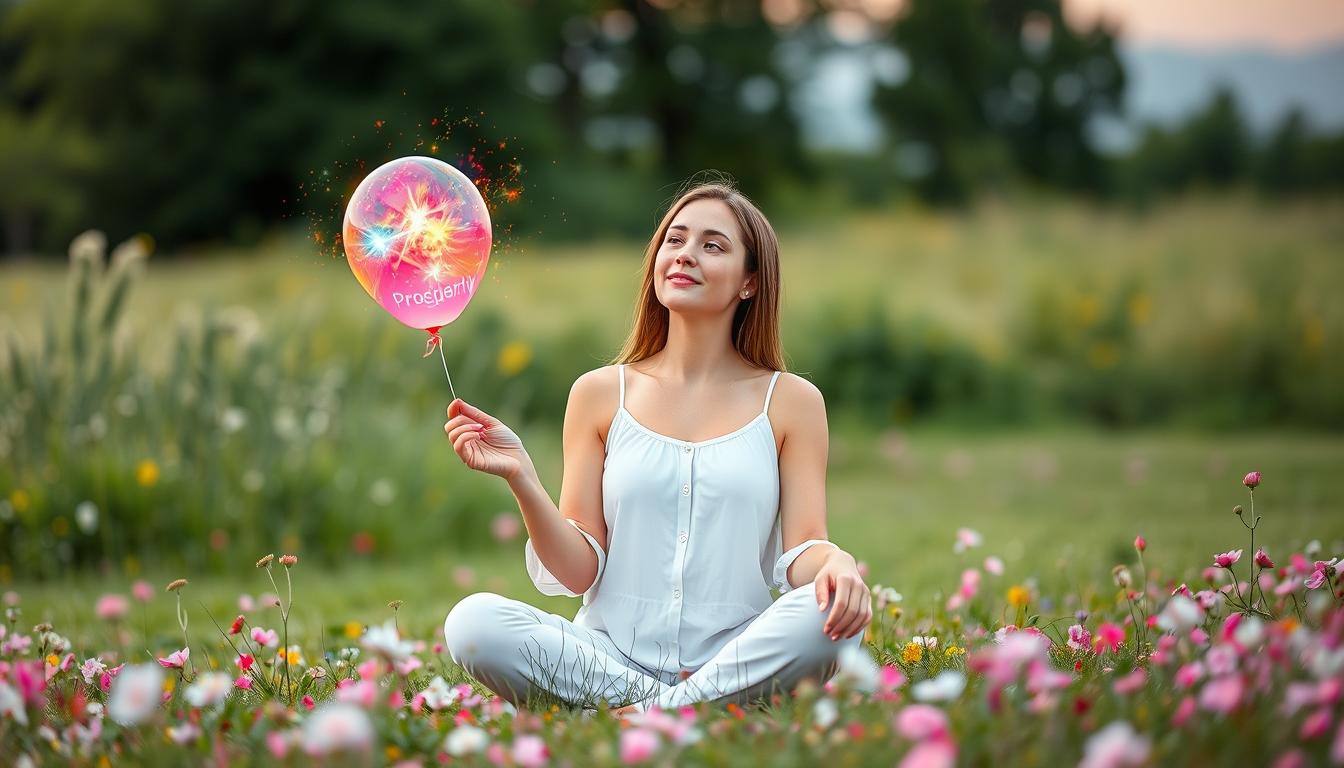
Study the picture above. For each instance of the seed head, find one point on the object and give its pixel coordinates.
(175, 585)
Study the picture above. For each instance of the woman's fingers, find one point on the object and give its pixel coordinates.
(461, 444)
(841, 608)
(861, 614)
(460, 429)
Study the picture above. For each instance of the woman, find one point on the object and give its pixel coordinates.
(694, 481)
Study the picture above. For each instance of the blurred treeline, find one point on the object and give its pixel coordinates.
(208, 121)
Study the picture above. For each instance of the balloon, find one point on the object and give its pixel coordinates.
(417, 236)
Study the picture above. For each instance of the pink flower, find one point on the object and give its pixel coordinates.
(1188, 675)
(918, 722)
(934, 753)
(1109, 637)
(505, 526)
(1079, 638)
(1316, 579)
(277, 743)
(1115, 746)
(1316, 725)
(966, 538)
(142, 591)
(176, 659)
(1183, 712)
(243, 682)
(1262, 559)
(1226, 559)
(308, 702)
(111, 607)
(265, 637)
(237, 625)
(1222, 694)
(245, 661)
(994, 565)
(1131, 683)
(1251, 480)
(1140, 544)
(529, 751)
(1337, 747)
(638, 745)
(889, 678)
(1293, 758)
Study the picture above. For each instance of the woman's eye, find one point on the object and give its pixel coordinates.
(715, 245)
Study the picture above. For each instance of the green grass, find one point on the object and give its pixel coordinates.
(1059, 507)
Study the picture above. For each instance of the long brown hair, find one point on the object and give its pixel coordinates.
(755, 323)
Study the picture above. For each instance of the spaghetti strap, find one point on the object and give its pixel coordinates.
(770, 392)
(620, 369)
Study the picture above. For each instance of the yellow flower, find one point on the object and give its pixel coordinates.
(354, 630)
(393, 752)
(514, 357)
(147, 473)
(895, 611)
(1018, 596)
(18, 499)
(53, 660)
(913, 652)
(954, 650)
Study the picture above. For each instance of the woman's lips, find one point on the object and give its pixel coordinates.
(681, 280)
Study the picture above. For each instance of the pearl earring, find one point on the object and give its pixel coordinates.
(746, 294)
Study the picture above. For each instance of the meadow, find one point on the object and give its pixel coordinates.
(232, 405)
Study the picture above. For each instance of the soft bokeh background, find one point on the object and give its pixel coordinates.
(1063, 272)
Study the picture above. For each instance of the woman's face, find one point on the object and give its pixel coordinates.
(701, 263)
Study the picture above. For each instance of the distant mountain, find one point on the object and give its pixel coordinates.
(1166, 84)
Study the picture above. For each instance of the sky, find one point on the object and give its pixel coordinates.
(1280, 25)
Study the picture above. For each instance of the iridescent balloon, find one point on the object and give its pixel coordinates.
(417, 236)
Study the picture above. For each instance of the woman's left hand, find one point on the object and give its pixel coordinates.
(853, 607)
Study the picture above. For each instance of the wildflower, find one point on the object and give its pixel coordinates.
(465, 739)
(1222, 694)
(136, 694)
(243, 682)
(857, 669)
(142, 591)
(890, 677)
(921, 721)
(175, 585)
(289, 561)
(966, 538)
(954, 650)
(11, 704)
(237, 625)
(640, 744)
(912, 652)
(1079, 638)
(437, 695)
(1227, 559)
(111, 607)
(245, 661)
(1115, 746)
(1251, 480)
(335, 727)
(504, 527)
(1262, 559)
(385, 640)
(1131, 683)
(930, 752)
(184, 733)
(209, 690)
(514, 357)
(265, 637)
(176, 659)
(1109, 637)
(530, 751)
(1316, 579)
(1139, 544)
(1122, 577)
(90, 669)
(265, 561)
(1180, 614)
(1018, 596)
(147, 473)
(946, 686)
(994, 565)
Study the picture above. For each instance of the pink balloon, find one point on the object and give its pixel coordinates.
(417, 236)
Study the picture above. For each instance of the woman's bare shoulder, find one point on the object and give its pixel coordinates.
(797, 403)
(595, 395)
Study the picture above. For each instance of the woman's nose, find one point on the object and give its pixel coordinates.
(683, 258)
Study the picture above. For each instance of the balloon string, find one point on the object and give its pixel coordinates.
(445, 371)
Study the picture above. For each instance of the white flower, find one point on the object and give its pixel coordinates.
(825, 712)
(465, 739)
(12, 704)
(438, 695)
(1115, 746)
(184, 733)
(947, 686)
(1180, 615)
(209, 690)
(336, 726)
(857, 669)
(135, 694)
(86, 516)
(1250, 633)
(385, 642)
(927, 642)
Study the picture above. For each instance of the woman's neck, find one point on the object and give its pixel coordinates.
(698, 349)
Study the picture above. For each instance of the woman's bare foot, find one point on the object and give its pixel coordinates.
(621, 712)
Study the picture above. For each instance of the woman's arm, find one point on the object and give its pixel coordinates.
(802, 509)
(565, 552)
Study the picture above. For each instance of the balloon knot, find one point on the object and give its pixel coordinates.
(433, 341)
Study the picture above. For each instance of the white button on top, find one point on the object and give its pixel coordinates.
(682, 537)
(676, 593)
(687, 449)
(686, 490)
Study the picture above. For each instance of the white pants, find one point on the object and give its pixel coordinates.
(517, 650)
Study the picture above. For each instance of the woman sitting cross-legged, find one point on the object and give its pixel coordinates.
(694, 483)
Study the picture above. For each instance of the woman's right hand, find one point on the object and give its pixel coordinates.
(483, 442)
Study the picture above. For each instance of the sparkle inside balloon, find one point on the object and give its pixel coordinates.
(417, 237)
